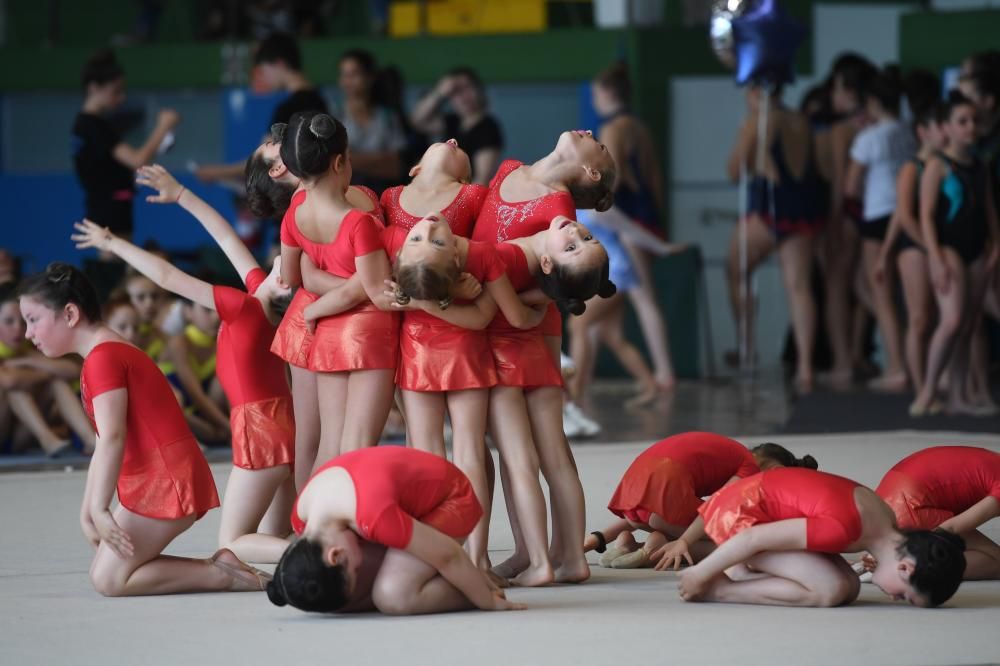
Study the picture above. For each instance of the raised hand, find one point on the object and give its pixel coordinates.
(156, 177)
(91, 235)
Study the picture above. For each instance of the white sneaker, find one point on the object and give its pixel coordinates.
(588, 427)
(565, 362)
(571, 427)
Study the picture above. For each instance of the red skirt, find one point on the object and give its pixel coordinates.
(440, 357)
(460, 511)
(171, 482)
(728, 513)
(911, 502)
(522, 359)
(263, 433)
(364, 338)
(292, 340)
(656, 485)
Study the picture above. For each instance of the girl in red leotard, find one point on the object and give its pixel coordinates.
(780, 534)
(662, 490)
(144, 447)
(271, 190)
(951, 488)
(261, 417)
(355, 353)
(417, 506)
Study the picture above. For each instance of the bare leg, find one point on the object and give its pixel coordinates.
(796, 257)
(612, 333)
(249, 493)
(425, 421)
(794, 578)
(841, 247)
(276, 521)
(913, 270)
(331, 394)
(760, 244)
(147, 571)
(468, 422)
(369, 398)
(405, 585)
(951, 308)
(566, 493)
(647, 310)
(894, 375)
(69, 408)
(512, 432)
(305, 404)
(24, 407)
(982, 557)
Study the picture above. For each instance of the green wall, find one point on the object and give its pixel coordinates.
(936, 40)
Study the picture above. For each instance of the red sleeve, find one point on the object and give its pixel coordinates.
(287, 235)
(493, 266)
(229, 302)
(103, 371)
(392, 528)
(366, 235)
(254, 279)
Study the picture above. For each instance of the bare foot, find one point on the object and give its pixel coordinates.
(576, 573)
(715, 589)
(512, 566)
(741, 572)
(803, 384)
(534, 576)
(244, 578)
(666, 383)
(643, 398)
(496, 579)
(838, 379)
(896, 382)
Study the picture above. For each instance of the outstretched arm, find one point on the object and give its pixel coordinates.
(134, 158)
(170, 191)
(615, 220)
(159, 271)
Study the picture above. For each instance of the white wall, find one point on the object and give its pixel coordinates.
(704, 115)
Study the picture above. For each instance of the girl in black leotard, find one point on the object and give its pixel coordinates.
(960, 230)
(904, 235)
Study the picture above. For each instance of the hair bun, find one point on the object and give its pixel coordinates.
(573, 306)
(322, 126)
(808, 462)
(59, 272)
(275, 595)
(607, 289)
(605, 202)
(278, 132)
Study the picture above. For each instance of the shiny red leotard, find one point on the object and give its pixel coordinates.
(933, 485)
(435, 355)
(461, 213)
(164, 473)
(260, 404)
(395, 486)
(670, 477)
(826, 502)
(292, 340)
(363, 338)
(502, 220)
(521, 357)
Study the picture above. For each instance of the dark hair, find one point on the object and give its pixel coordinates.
(61, 284)
(423, 282)
(927, 115)
(311, 142)
(616, 79)
(955, 100)
(279, 46)
(783, 456)
(818, 97)
(365, 59)
(8, 292)
(856, 73)
(599, 195)
(102, 67)
(922, 89)
(267, 198)
(571, 289)
(304, 580)
(987, 82)
(940, 563)
(117, 299)
(886, 88)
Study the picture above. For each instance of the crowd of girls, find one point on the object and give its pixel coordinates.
(882, 184)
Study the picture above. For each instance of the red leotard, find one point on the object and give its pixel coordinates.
(933, 485)
(293, 340)
(461, 213)
(260, 403)
(395, 486)
(502, 220)
(670, 477)
(163, 474)
(826, 502)
(363, 338)
(435, 355)
(521, 357)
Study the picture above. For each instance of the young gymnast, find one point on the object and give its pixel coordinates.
(354, 354)
(417, 506)
(144, 448)
(147, 299)
(780, 534)
(261, 418)
(962, 236)
(662, 490)
(877, 154)
(951, 488)
(904, 234)
(121, 317)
